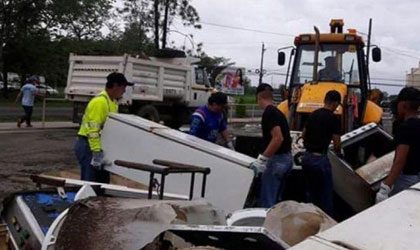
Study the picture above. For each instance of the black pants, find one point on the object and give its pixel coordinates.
(28, 115)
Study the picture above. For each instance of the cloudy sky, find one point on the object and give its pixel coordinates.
(396, 26)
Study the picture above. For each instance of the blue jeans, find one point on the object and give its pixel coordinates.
(84, 157)
(273, 179)
(318, 178)
(403, 182)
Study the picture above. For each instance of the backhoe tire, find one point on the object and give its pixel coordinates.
(149, 112)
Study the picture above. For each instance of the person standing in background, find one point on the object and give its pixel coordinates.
(27, 96)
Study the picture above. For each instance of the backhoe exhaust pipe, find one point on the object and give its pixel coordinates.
(316, 55)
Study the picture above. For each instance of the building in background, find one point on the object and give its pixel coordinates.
(413, 78)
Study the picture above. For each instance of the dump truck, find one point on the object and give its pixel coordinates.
(165, 89)
(330, 61)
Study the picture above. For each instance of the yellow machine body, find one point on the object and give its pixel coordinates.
(373, 113)
(312, 96)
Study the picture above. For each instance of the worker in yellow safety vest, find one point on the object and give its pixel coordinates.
(88, 145)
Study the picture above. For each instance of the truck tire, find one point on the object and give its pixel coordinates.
(149, 112)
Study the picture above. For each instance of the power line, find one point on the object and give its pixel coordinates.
(392, 85)
(400, 54)
(396, 51)
(391, 79)
(402, 50)
(392, 50)
(246, 29)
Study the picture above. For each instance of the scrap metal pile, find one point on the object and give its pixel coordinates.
(85, 215)
(112, 222)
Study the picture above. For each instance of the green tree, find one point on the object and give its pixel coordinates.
(154, 17)
(248, 89)
(31, 31)
(20, 22)
(210, 63)
(82, 19)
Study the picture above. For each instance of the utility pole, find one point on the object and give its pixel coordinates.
(368, 52)
(262, 64)
(156, 9)
(165, 24)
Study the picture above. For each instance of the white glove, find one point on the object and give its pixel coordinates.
(97, 160)
(259, 165)
(229, 144)
(383, 193)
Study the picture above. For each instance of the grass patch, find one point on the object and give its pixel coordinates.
(246, 99)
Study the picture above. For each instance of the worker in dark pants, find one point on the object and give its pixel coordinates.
(321, 126)
(275, 162)
(405, 169)
(27, 95)
(88, 146)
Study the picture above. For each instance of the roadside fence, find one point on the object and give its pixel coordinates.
(44, 106)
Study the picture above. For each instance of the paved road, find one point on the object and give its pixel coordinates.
(10, 127)
(57, 112)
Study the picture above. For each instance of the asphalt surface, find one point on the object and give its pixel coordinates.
(64, 113)
(26, 152)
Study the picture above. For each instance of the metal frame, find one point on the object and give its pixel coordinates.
(168, 168)
(229, 232)
(352, 187)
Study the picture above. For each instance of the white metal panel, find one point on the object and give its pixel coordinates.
(176, 78)
(30, 219)
(158, 63)
(88, 72)
(152, 79)
(391, 224)
(96, 67)
(131, 138)
(100, 59)
(175, 84)
(99, 74)
(314, 243)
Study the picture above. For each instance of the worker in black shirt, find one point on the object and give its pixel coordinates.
(320, 128)
(406, 166)
(276, 160)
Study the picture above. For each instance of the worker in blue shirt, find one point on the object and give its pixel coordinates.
(208, 121)
(27, 96)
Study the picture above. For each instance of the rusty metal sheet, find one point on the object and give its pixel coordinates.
(117, 223)
(229, 238)
(293, 222)
(377, 169)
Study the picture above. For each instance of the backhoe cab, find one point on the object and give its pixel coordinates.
(324, 62)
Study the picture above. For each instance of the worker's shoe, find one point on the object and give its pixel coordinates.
(19, 123)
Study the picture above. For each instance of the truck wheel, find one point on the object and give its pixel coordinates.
(148, 112)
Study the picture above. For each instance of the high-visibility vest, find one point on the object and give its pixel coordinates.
(94, 119)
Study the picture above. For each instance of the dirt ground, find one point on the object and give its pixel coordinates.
(33, 152)
(26, 152)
